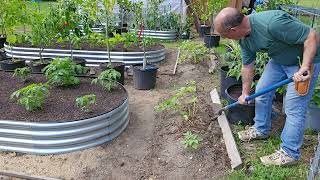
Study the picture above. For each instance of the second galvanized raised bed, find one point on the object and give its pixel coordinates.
(93, 58)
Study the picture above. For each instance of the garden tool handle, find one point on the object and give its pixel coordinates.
(261, 92)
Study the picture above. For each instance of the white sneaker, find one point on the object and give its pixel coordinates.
(250, 134)
(279, 158)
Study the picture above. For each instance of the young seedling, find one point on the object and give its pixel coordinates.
(107, 79)
(191, 140)
(22, 73)
(184, 101)
(31, 97)
(85, 101)
(61, 72)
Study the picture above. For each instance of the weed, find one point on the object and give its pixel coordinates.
(191, 140)
(183, 101)
(85, 101)
(22, 73)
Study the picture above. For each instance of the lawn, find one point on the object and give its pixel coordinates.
(310, 3)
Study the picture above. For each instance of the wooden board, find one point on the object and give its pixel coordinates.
(229, 141)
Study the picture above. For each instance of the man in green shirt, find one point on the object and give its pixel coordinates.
(287, 41)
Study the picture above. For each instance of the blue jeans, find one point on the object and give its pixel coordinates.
(295, 106)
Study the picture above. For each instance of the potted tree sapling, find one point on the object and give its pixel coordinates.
(200, 8)
(108, 13)
(42, 35)
(214, 6)
(12, 12)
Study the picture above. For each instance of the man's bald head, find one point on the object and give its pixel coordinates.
(227, 18)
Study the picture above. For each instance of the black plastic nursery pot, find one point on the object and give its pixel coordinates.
(144, 79)
(118, 66)
(2, 41)
(204, 29)
(79, 61)
(185, 35)
(9, 65)
(240, 113)
(37, 65)
(211, 40)
(226, 81)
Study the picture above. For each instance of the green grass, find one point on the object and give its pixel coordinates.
(254, 169)
(310, 3)
(44, 6)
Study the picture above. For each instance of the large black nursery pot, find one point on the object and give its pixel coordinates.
(144, 79)
(9, 65)
(2, 41)
(226, 81)
(240, 113)
(204, 29)
(37, 65)
(79, 61)
(211, 40)
(118, 66)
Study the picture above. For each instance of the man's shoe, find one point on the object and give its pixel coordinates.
(251, 134)
(279, 158)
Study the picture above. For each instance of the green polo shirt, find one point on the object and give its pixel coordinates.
(277, 33)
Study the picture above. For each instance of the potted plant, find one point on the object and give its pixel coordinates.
(111, 42)
(42, 35)
(313, 113)
(214, 6)
(186, 29)
(144, 77)
(11, 13)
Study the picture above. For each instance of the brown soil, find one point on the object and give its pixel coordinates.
(60, 103)
(87, 46)
(150, 147)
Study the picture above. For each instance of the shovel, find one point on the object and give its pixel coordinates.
(259, 93)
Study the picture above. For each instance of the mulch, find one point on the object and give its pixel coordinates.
(60, 103)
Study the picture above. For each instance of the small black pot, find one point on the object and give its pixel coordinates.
(144, 79)
(9, 65)
(226, 81)
(2, 41)
(37, 65)
(211, 40)
(79, 61)
(185, 35)
(121, 30)
(204, 29)
(118, 66)
(240, 113)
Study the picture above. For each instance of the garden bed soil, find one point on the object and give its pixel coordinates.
(87, 46)
(150, 147)
(60, 103)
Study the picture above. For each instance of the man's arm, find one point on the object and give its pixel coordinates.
(309, 51)
(247, 73)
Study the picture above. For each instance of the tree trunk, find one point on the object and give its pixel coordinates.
(195, 16)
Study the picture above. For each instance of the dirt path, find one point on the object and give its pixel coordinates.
(150, 146)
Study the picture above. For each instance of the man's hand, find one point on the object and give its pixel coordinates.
(301, 75)
(242, 99)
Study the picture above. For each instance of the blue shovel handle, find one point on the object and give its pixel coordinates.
(261, 92)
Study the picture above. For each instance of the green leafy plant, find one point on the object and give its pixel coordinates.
(108, 79)
(191, 140)
(23, 73)
(193, 52)
(85, 101)
(31, 97)
(61, 72)
(184, 101)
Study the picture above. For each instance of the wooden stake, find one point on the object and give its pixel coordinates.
(175, 66)
(229, 141)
